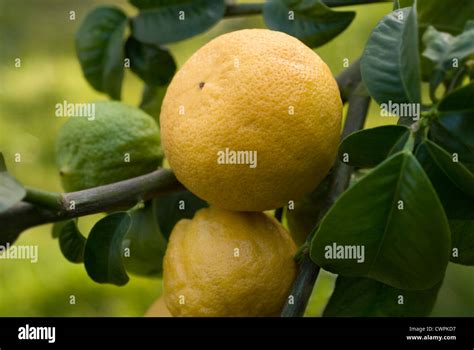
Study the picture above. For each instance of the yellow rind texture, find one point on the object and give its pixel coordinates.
(252, 90)
(225, 263)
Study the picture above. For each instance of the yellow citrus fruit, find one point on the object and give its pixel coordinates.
(251, 120)
(158, 309)
(118, 142)
(227, 263)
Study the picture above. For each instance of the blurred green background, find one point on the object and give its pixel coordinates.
(40, 33)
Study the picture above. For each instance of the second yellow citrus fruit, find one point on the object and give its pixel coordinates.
(252, 120)
(228, 263)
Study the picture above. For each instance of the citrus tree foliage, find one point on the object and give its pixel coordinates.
(412, 210)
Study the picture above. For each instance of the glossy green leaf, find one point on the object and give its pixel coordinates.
(459, 208)
(103, 252)
(457, 204)
(154, 65)
(171, 208)
(311, 21)
(463, 241)
(455, 170)
(447, 16)
(11, 192)
(144, 244)
(365, 297)
(72, 242)
(390, 62)
(168, 21)
(99, 46)
(404, 247)
(454, 127)
(454, 132)
(369, 147)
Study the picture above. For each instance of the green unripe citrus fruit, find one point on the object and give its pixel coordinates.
(118, 143)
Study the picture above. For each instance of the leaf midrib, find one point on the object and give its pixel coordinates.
(397, 187)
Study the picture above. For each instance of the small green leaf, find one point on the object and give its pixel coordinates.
(365, 297)
(171, 208)
(455, 170)
(145, 243)
(103, 252)
(72, 242)
(390, 62)
(99, 46)
(404, 246)
(11, 192)
(369, 147)
(463, 240)
(311, 21)
(166, 21)
(154, 65)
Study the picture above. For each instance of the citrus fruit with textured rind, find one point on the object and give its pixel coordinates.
(118, 143)
(228, 263)
(252, 120)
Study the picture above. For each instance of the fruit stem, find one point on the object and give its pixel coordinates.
(50, 200)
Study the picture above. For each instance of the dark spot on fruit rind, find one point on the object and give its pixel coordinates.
(201, 84)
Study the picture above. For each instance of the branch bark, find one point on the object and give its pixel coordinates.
(123, 194)
(339, 180)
